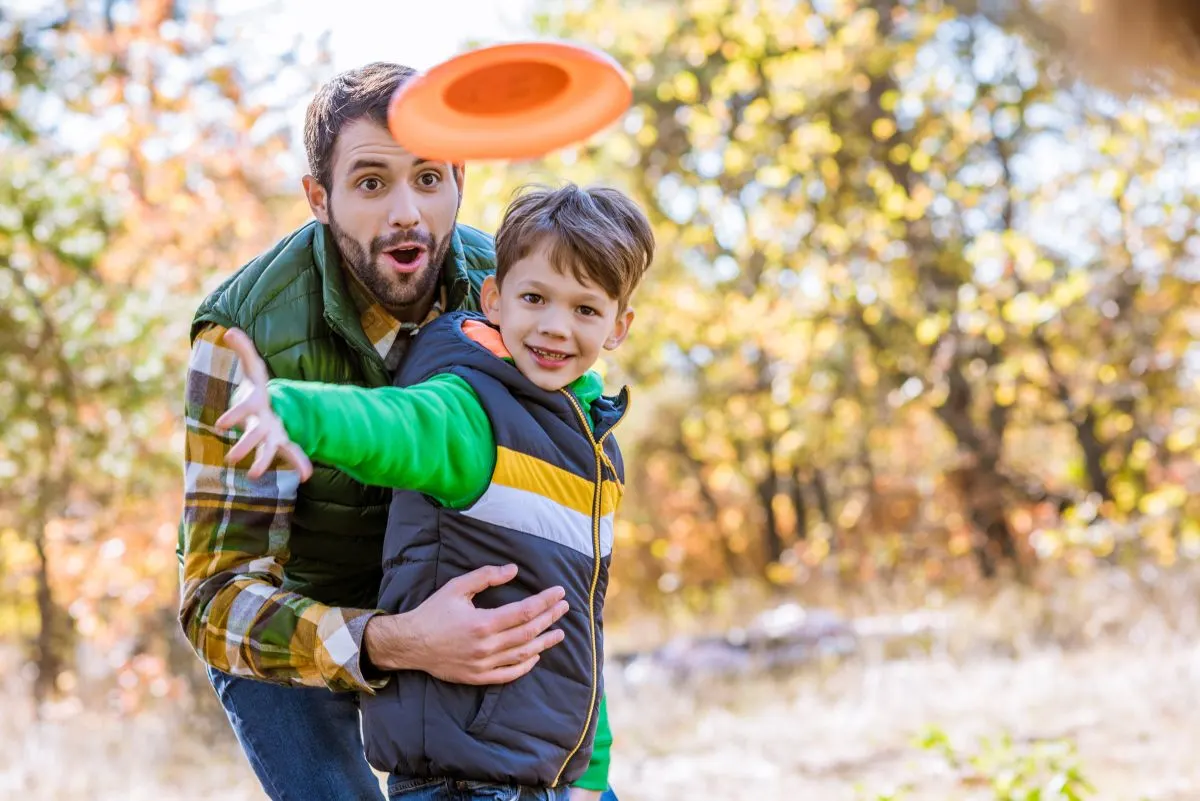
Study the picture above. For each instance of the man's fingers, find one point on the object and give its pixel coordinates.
(264, 458)
(519, 613)
(236, 414)
(506, 674)
(298, 459)
(252, 364)
(522, 653)
(525, 632)
(478, 580)
(249, 441)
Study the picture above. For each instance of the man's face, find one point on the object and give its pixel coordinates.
(553, 325)
(392, 215)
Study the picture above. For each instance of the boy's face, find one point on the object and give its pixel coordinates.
(391, 213)
(553, 325)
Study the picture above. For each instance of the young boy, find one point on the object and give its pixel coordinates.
(499, 444)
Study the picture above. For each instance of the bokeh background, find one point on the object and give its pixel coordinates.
(913, 504)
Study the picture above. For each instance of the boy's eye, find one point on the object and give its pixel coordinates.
(429, 179)
(588, 311)
(370, 184)
(531, 297)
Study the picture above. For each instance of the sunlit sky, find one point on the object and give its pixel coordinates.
(417, 34)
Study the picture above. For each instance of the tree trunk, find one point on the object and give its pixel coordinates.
(821, 493)
(800, 505)
(47, 657)
(773, 544)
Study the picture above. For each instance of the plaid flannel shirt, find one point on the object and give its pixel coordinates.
(235, 538)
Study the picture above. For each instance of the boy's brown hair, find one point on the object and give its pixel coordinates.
(597, 234)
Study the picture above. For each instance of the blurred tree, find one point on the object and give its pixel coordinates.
(872, 216)
(139, 161)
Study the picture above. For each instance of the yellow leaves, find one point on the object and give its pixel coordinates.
(774, 176)
(1181, 439)
(739, 77)
(1157, 504)
(827, 335)
(736, 158)
(883, 128)
(646, 136)
(758, 111)
(1005, 394)
(685, 87)
(1122, 423)
(929, 329)
(829, 172)
(894, 202)
(1072, 290)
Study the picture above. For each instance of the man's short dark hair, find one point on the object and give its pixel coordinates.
(349, 96)
(597, 234)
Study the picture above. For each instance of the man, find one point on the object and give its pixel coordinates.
(279, 581)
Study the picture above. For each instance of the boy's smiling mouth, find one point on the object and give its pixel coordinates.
(548, 357)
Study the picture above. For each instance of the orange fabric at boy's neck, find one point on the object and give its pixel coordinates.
(484, 334)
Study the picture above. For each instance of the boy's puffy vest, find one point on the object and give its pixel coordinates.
(548, 509)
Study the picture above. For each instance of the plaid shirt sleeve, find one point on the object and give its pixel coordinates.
(235, 543)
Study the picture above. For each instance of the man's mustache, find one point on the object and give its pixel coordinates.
(381, 244)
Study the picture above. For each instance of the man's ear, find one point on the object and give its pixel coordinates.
(489, 299)
(620, 329)
(318, 199)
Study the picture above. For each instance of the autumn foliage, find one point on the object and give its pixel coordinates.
(923, 309)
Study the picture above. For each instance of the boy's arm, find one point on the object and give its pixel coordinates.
(234, 544)
(433, 437)
(596, 775)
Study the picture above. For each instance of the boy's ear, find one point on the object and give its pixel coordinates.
(489, 299)
(318, 199)
(620, 329)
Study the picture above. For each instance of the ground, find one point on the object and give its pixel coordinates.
(1114, 668)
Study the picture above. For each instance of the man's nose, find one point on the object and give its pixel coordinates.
(404, 212)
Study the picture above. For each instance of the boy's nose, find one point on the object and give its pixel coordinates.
(554, 323)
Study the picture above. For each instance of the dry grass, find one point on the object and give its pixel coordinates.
(1110, 663)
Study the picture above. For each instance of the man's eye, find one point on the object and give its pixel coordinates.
(429, 179)
(371, 184)
(531, 297)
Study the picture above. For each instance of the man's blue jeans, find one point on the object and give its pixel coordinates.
(304, 743)
(400, 789)
(405, 789)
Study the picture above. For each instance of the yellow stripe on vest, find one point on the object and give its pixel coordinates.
(523, 472)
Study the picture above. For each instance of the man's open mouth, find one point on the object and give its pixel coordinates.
(406, 254)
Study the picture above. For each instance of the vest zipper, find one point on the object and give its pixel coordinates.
(597, 495)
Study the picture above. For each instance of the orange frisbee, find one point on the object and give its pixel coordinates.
(509, 101)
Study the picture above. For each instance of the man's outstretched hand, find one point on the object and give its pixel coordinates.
(264, 433)
(450, 639)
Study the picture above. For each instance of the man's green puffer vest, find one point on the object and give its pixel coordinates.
(293, 302)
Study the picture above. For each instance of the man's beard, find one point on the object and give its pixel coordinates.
(403, 295)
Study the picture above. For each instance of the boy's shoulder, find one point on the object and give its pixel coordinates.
(456, 339)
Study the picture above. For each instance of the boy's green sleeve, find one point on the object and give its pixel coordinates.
(596, 775)
(433, 437)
